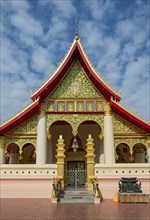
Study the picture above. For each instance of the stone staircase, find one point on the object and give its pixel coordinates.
(76, 196)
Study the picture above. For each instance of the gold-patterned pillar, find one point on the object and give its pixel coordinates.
(2, 149)
(148, 150)
(90, 161)
(60, 159)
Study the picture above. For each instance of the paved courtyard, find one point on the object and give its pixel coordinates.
(43, 209)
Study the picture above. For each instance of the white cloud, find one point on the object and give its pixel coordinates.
(36, 35)
(100, 9)
(63, 8)
(26, 24)
(41, 60)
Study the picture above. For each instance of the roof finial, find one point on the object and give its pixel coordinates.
(77, 37)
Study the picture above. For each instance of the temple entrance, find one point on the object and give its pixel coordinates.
(76, 174)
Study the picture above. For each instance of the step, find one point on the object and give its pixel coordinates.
(78, 192)
(77, 200)
(77, 196)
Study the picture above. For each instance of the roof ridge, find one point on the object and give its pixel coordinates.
(131, 112)
(18, 113)
(96, 72)
(55, 69)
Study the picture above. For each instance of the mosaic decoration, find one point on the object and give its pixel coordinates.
(75, 85)
(122, 126)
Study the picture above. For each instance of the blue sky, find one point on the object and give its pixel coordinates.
(35, 36)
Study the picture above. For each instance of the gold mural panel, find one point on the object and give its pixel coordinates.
(99, 106)
(61, 106)
(90, 106)
(51, 106)
(70, 106)
(80, 106)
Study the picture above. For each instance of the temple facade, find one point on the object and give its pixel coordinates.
(74, 123)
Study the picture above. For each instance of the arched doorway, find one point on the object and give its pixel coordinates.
(12, 154)
(58, 128)
(122, 153)
(93, 128)
(139, 153)
(28, 154)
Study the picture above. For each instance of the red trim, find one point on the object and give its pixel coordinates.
(23, 116)
(75, 53)
(129, 117)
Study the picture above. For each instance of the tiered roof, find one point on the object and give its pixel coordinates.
(76, 51)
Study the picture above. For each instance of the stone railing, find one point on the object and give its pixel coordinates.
(48, 171)
(119, 170)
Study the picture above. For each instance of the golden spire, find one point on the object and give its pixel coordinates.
(77, 37)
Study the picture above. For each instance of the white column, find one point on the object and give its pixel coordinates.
(101, 157)
(2, 150)
(41, 149)
(148, 150)
(109, 149)
(2, 155)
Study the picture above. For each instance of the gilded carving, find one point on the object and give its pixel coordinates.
(29, 126)
(42, 108)
(99, 106)
(2, 141)
(80, 106)
(21, 141)
(75, 85)
(51, 106)
(130, 141)
(70, 106)
(74, 119)
(122, 126)
(61, 107)
(75, 106)
(107, 109)
(90, 106)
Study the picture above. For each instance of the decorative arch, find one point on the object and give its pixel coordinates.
(75, 120)
(28, 154)
(122, 153)
(140, 152)
(12, 153)
(91, 127)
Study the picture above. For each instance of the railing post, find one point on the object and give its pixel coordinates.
(90, 161)
(60, 159)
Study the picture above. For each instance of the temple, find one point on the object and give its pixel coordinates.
(75, 130)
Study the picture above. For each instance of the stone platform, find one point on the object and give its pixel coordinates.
(133, 197)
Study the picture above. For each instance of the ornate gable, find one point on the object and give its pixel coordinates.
(122, 126)
(27, 127)
(75, 85)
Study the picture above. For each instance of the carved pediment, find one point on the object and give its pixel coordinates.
(28, 126)
(75, 85)
(123, 126)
